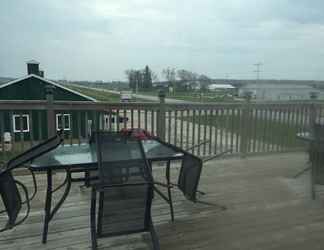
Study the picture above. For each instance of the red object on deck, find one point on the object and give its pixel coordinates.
(138, 133)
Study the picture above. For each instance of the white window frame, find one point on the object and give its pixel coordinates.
(69, 119)
(14, 123)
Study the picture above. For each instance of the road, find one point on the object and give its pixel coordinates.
(139, 96)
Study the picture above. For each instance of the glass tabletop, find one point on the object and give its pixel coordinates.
(84, 155)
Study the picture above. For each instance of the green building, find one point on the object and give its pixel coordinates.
(33, 124)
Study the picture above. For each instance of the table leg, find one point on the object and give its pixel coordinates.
(167, 176)
(48, 204)
(49, 213)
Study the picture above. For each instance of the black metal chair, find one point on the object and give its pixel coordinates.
(190, 171)
(189, 176)
(9, 191)
(125, 188)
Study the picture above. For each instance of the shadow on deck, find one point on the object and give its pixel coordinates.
(267, 209)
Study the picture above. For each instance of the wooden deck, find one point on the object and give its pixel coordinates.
(267, 209)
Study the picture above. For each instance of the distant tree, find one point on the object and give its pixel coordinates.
(154, 76)
(186, 75)
(188, 79)
(139, 83)
(170, 75)
(204, 81)
(147, 78)
(130, 74)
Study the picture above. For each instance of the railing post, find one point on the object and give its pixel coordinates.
(245, 125)
(161, 116)
(50, 110)
(312, 116)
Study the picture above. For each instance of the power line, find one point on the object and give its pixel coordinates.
(258, 70)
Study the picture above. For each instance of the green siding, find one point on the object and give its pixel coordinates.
(34, 89)
(38, 124)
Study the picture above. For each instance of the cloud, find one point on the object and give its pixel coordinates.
(100, 39)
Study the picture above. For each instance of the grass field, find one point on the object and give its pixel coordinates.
(97, 94)
(192, 96)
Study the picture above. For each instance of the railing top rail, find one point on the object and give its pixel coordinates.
(75, 105)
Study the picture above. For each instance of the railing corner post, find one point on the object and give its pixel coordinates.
(50, 110)
(245, 127)
(312, 117)
(161, 116)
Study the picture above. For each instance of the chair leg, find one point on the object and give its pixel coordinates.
(93, 219)
(167, 175)
(155, 239)
(48, 205)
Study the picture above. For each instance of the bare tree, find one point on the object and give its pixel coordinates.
(154, 76)
(204, 82)
(169, 74)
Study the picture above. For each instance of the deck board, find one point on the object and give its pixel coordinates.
(268, 209)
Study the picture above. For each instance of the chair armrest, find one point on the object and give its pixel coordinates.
(100, 187)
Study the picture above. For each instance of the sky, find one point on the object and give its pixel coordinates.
(100, 39)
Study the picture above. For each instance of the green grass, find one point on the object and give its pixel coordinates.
(192, 96)
(97, 94)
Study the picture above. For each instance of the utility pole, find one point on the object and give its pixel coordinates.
(258, 70)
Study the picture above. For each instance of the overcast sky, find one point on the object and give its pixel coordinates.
(83, 39)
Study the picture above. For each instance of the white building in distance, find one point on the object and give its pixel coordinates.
(278, 92)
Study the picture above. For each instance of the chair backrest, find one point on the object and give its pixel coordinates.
(8, 185)
(189, 176)
(125, 206)
(10, 196)
(34, 152)
(121, 159)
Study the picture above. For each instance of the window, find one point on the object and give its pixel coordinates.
(67, 121)
(20, 123)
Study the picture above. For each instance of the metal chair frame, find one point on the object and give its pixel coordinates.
(17, 162)
(101, 187)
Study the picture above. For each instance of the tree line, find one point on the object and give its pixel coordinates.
(141, 79)
(181, 79)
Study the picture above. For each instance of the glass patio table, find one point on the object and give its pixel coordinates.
(83, 158)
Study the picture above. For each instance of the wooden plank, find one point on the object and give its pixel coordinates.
(31, 129)
(199, 132)
(169, 125)
(175, 127)
(132, 118)
(254, 120)
(86, 125)
(152, 122)
(211, 129)
(138, 118)
(238, 136)
(181, 128)
(266, 209)
(221, 129)
(78, 114)
(40, 127)
(193, 134)
(22, 137)
(145, 119)
(205, 131)
(117, 120)
(125, 119)
(2, 133)
(217, 126)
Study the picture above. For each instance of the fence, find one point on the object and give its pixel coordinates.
(204, 129)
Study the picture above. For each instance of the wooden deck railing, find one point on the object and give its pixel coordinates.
(204, 129)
